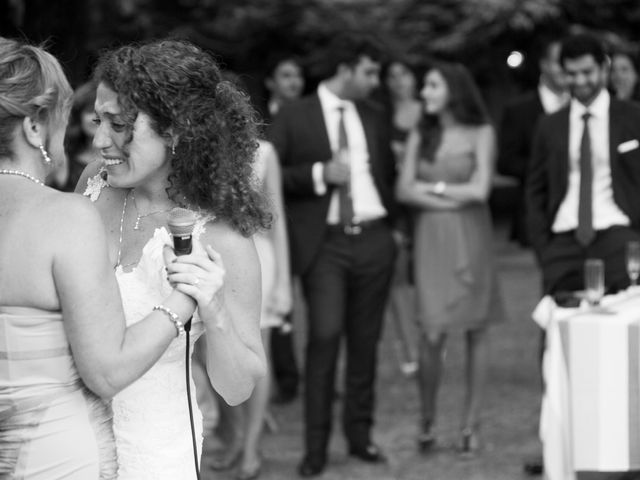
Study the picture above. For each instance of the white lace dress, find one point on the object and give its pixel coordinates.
(151, 416)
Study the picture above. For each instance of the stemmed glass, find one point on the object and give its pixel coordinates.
(594, 281)
(633, 261)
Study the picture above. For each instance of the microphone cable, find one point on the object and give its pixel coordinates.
(187, 329)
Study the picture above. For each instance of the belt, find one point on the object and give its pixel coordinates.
(357, 228)
(572, 232)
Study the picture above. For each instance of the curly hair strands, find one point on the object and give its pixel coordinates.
(180, 87)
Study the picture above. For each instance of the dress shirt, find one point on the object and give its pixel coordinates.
(367, 204)
(551, 101)
(605, 211)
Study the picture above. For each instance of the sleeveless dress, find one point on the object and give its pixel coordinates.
(151, 416)
(51, 426)
(264, 245)
(454, 269)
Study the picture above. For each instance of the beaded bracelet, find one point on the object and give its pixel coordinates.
(173, 317)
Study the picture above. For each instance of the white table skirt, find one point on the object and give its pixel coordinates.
(590, 417)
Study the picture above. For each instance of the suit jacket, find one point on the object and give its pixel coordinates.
(300, 137)
(514, 150)
(547, 177)
(516, 135)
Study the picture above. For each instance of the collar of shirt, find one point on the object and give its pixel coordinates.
(330, 101)
(599, 108)
(551, 101)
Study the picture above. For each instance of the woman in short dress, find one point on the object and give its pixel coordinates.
(446, 177)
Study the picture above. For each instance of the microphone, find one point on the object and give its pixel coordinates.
(181, 222)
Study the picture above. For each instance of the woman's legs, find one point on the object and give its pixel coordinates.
(402, 315)
(429, 374)
(477, 365)
(402, 312)
(255, 414)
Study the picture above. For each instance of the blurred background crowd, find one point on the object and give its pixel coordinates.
(277, 53)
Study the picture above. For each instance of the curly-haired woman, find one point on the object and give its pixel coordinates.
(172, 133)
(64, 348)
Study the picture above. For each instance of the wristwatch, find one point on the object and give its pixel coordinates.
(439, 188)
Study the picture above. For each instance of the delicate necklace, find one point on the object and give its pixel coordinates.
(20, 173)
(124, 209)
(140, 216)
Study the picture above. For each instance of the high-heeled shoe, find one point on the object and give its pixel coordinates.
(426, 441)
(470, 443)
(224, 459)
(249, 473)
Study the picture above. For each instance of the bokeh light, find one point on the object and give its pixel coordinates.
(515, 59)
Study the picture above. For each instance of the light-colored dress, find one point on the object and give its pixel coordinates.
(151, 416)
(454, 268)
(51, 426)
(264, 246)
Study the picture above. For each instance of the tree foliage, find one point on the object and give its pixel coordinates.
(245, 32)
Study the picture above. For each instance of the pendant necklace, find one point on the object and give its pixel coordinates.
(136, 225)
(140, 216)
(20, 173)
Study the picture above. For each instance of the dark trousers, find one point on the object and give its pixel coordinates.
(346, 290)
(562, 260)
(283, 359)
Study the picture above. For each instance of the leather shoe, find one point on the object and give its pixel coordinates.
(368, 453)
(533, 467)
(311, 466)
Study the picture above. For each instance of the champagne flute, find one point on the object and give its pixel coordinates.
(633, 261)
(594, 281)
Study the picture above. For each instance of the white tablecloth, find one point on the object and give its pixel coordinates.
(590, 418)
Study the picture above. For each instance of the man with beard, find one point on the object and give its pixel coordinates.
(583, 184)
(338, 177)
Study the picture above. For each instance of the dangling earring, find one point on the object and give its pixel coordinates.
(173, 149)
(45, 155)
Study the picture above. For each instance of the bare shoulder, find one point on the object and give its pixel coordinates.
(70, 213)
(224, 238)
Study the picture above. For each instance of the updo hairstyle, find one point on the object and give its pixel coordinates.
(33, 85)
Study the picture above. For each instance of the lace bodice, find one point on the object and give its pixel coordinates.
(151, 418)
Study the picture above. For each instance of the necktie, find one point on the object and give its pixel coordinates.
(344, 191)
(585, 232)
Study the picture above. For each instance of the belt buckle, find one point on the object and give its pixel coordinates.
(352, 229)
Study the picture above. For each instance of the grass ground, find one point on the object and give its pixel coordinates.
(509, 421)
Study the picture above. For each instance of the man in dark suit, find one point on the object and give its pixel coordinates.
(338, 174)
(583, 183)
(519, 120)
